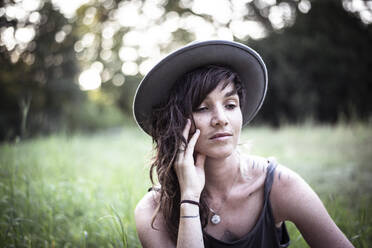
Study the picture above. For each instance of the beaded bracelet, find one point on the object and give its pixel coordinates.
(191, 202)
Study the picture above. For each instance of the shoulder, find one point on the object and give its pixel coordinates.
(151, 233)
(145, 211)
(253, 166)
(147, 205)
(294, 200)
(288, 189)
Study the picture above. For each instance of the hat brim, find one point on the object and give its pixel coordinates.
(156, 85)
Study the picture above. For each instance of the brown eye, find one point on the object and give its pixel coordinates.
(231, 106)
(201, 109)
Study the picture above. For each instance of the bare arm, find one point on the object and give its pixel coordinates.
(294, 200)
(191, 178)
(148, 236)
(190, 234)
(190, 231)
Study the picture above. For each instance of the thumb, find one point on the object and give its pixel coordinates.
(200, 161)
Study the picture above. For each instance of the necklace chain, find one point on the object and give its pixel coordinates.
(216, 218)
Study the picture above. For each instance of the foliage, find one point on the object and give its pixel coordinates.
(92, 116)
(81, 190)
(76, 191)
(319, 67)
(326, 78)
(39, 75)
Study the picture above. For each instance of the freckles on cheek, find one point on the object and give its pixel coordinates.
(195, 124)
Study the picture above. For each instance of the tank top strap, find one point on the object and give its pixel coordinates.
(269, 177)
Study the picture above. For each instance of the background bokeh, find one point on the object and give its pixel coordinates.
(75, 65)
(73, 164)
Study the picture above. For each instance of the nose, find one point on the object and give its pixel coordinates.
(219, 117)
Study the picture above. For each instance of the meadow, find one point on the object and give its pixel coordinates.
(80, 190)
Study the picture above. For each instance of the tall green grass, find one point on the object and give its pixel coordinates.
(81, 190)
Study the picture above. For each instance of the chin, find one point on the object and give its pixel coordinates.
(219, 153)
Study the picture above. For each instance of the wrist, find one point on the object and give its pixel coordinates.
(189, 211)
(190, 197)
(190, 202)
(188, 207)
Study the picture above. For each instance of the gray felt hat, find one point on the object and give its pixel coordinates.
(156, 85)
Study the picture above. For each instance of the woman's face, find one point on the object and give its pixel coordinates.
(219, 120)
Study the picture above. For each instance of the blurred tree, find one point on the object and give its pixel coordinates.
(127, 36)
(319, 67)
(113, 43)
(37, 72)
(119, 41)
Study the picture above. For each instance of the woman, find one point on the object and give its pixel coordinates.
(194, 103)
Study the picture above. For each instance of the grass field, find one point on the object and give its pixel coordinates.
(81, 190)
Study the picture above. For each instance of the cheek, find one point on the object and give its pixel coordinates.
(197, 124)
(200, 145)
(239, 119)
(237, 125)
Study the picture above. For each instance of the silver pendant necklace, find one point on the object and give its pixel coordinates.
(216, 218)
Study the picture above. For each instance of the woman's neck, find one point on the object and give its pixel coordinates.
(220, 174)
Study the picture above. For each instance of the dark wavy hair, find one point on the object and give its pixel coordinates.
(168, 121)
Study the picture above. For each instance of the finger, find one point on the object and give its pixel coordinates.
(185, 133)
(200, 160)
(180, 154)
(186, 129)
(182, 147)
(192, 142)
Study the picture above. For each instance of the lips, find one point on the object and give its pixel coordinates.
(221, 135)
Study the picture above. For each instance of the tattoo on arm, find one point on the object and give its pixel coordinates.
(284, 174)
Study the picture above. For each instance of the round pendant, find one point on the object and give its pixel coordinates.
(215, 219)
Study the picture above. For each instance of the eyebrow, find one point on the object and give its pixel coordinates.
(231, 93)
(228, 94)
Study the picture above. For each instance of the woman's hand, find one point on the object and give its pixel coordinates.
(190, 173)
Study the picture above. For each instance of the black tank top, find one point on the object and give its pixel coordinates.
(264, 234)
